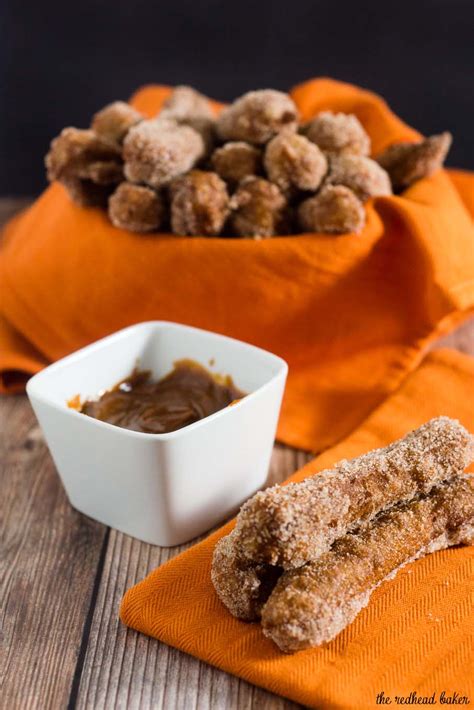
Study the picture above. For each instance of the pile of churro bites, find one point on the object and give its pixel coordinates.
(254, 171)
(305, 558)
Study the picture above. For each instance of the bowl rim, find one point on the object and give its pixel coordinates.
(77, 355)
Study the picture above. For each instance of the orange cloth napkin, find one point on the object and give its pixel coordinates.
(416, 633)
(351, 314)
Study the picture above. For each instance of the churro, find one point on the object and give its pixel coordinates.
(136, 208)
(199, 204)
(236, 160)
(363, 176)
(113, 122)
(258, 209)
(257, 116)
(290, 525)
(157, 151)
(78, 154)
(408, 162)
(334, 210)
(338, 133)
(188, 107)
(294, 163)
(311, 605)
(242, 587)
(184, 103)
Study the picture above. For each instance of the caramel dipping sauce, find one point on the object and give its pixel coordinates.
(184, 396)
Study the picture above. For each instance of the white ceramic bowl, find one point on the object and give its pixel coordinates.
(161, 488)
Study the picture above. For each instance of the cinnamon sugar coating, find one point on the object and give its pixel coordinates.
(363, 176)
(78, 154)
(206, 127)
(257, 116)
(294, 163)
(185, 102)
(188, 107)
(408, 162)
(157, 151)
(242, 587)
(136, 208)
(290, 525)
(236, 160)
(259, 209)
(199, 204)
(114, 121)
(334, 210)
(311, 605)
(338, 133)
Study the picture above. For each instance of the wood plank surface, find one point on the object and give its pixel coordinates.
(49, 561)
(62, 577)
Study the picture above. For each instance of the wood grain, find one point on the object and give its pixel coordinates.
(62, 577)
(49, 559)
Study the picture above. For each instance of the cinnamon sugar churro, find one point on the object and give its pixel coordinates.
(334, 210)
(312, 604)
(241, 586)
(113, 122)
(290, 525)
(408, 162)
(257, 116)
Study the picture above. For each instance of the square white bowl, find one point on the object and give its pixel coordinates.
(161, 488)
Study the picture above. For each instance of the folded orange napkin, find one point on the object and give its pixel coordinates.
(416, 633)
(351, 314)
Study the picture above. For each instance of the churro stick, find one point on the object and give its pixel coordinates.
(242, 587)
(290, 525)
(439, 450)
(314, 603)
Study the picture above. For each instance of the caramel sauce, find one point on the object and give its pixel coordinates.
(184, 396)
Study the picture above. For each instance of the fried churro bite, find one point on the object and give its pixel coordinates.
(408, 162)
(334, 210)
(311, 605)
(81, 154)
(294, 163)
(114, 121)
(338, 133)
(185, 102)
(257, 116)
(188, 107)
(236, 160)
(136, 208)
(256, 145)
(259, 209)
(199, 204)
(363, 176)
(157, 151)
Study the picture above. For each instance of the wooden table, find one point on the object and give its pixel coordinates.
(62, 577)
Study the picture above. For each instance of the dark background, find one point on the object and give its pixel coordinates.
(60, 61)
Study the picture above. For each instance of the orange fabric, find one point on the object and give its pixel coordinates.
(465, 186)
(18, 357)
(416, 633)
(351, 314)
